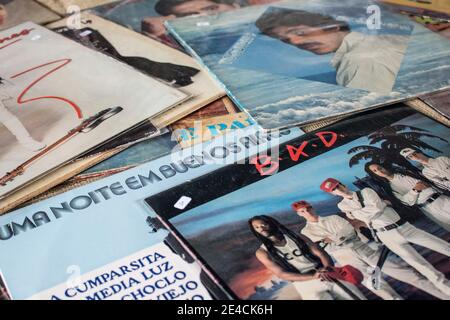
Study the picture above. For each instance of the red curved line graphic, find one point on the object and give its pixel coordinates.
(20, 99)
(10, 44)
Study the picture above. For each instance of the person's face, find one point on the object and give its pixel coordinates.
(202, 7)
(2, 14)
(318, 40)
(416, 156)
(379, 170)
(262, 228)
(307, 213)
(341, 191)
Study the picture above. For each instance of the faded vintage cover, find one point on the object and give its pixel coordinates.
(120, 254)
(148, 16)
(428, 6)
(149, 57)
(13, 12)
(62, 6)
(436, 105)
(214, 120)
(304, 61)
(57, 102)
(440, 101)
(35, 189)
(263, 228)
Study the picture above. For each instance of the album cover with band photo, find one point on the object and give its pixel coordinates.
(357, 210)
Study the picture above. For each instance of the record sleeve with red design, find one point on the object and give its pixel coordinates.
(59, 99)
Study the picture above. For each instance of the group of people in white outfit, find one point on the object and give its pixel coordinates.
(337, 238)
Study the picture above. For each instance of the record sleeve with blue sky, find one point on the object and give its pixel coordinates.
(330, 59)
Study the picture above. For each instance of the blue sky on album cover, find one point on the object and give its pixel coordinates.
(269, 78)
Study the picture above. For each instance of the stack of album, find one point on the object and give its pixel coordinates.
(224, 149)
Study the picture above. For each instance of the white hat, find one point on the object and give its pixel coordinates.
(407, 152)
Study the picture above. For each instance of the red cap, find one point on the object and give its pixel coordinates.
(329, 185)
(300, 204)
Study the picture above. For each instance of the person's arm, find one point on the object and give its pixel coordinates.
(410, 198)
(372, 201)
(345, 210)
(264, 258)
(362, 73)
(341, 229)
(357, 224)
(444, 159)
(319, 253)
(440, 181)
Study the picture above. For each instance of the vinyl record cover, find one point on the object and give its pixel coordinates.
(427, 6)
(60, 99)
(97, 242)
(216, 119)
(148, 16)
(441, 26)
(437, 23)
(439, 101)
(149, 57)
(13, 12)
(325, 206)
(63, 6)
(35, 189)
(303, 61)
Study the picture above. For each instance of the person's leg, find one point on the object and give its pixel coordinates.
(16, 127)
(313, 290)
(359, 260)
(404, 273)
(339, 290)
(399, 244)
(439, 211)
(425, 239)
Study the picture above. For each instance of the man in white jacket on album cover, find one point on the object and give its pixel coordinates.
(12, 123)
(367, 62)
